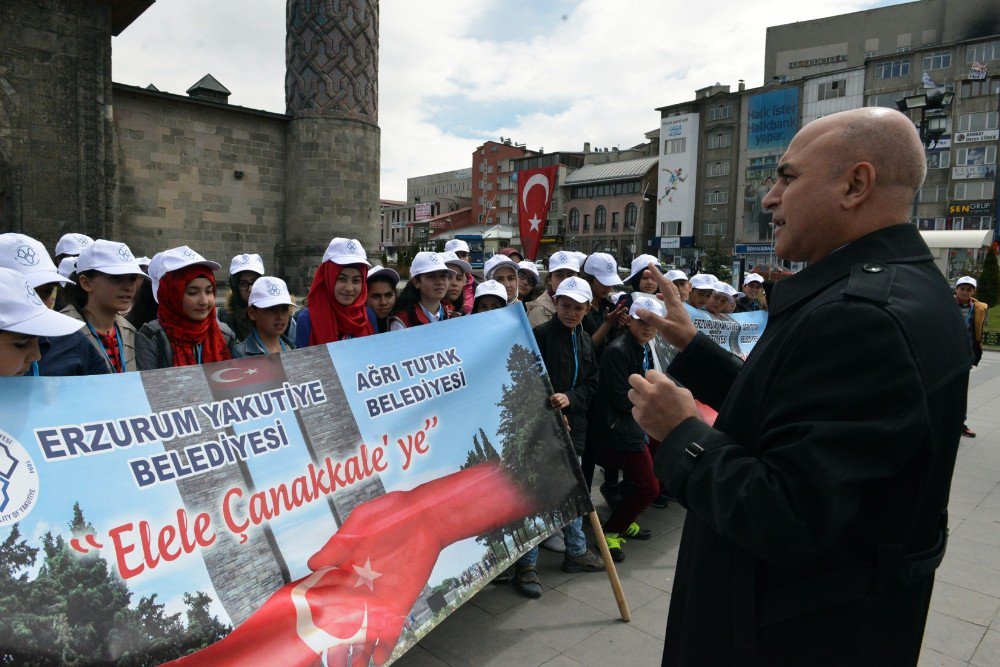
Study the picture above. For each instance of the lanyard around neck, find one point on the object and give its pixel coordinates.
(34, 369)
(260, 343)
(197, 353)
(440, 315)
(576, 360)
(118, 340)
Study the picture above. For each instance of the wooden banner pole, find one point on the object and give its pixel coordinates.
(616, 584)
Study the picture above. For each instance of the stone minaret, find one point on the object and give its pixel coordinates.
(331, 93)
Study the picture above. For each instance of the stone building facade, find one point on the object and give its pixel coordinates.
(156, 170)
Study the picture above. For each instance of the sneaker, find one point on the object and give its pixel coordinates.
(615, 543)
(968, 432)
(504, 576)
(555, 542)
(661, 501)
(636, 533)
(585, 562)
(527, 582)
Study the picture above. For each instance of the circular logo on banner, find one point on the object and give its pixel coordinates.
(26, 256)
(18, 481)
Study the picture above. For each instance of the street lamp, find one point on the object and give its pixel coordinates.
(933, 120)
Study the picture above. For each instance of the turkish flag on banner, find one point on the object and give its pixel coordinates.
(535, 188)
(239, 377)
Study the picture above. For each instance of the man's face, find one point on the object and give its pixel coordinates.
(805, 200)
(699, 297)
(964, 292)
(570, 312)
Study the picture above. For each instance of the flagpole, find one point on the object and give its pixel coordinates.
(609, 563)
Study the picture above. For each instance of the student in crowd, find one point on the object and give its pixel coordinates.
(637, 280)
(243, 271)
(422, 300)
(503, 269)
(107, 275)
(144, 304)
(186, 331)
(601, 273)
(702, 288)
(71, 245)
(975, 314)
(622, 442)
(338, 297)
(67, 267)
(381, 296)
(680, 280)
(490, 295)
(527, 282)
(569, 360)
(562, 265)
(462, 251)
(753, 298)
(270, 309)
(457, 283)
(24, 321)
(512, 253)
(723, 299)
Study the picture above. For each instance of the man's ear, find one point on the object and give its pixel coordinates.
(859, 185)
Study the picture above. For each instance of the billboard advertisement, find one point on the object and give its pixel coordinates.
(677, 178)
(772, 121)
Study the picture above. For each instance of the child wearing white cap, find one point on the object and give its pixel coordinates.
(621, 443)
(568, 354)
(702, 288)
(382, 284)
(562, 265)
(24, 319)
(602, 320)
(503, 269)
(30, 258)
(270, 309)
(71, 245)
(244, 269)
(107, 277)
(463, 252)
(422, 301)
(457, 296)
(681, 282)
(490, 295)
(527, 282)
(753, 298)
(338, 298)
(723, 299)
(975, 314)
(186, 331)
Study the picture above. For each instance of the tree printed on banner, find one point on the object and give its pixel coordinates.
(77, 609)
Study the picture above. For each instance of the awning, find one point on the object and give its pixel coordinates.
(976, 238)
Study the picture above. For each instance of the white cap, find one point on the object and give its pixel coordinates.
(646, 302)
(529, 266)
(451, 258)
(603, 267)
(577, 289)
(616, 297)
(564, 260)
(110, 257)
(640, 264)
(724, 288)
(427, 262)
(491, 288)
(346, 251)
(382, 272)
(676, 274)
(22, 311)
(495, 262)
(246, 262)
(30, 258)
(67, 266)
(456, 245)
(72, 244)
(703, 281)
(966, 280)
(172, 260)
(143, 261)
(269, 291)
(753, 278)
(580, 256)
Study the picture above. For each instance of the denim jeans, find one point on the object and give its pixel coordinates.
(576, 541)
(529, 559)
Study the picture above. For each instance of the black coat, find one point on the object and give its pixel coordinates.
(816, 503)
(556, 345)
(611, 423)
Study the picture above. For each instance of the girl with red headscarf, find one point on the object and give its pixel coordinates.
(186, 331)
(338, 297)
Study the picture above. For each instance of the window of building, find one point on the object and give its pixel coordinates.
(975, 155)
(717, 196)
(600, 218)
(974, 190)
(830, 90)
(720, 139)
(892, 68)
(586, 222)
(981, 53)
(871, 54)
(971, 122)
(614, 220)
(938, 159)
(937, 60)
(718, 168)
(670, 228)
(710, 228)
(574, 220)
(671, 146)
(630, 215)
(980, 88)
(933, 193)
(720, 112)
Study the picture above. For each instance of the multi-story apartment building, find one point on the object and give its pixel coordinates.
(452, 190)
(491, 184)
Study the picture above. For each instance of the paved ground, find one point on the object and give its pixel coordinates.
(576, 621)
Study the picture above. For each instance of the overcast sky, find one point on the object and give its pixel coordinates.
(454, 73)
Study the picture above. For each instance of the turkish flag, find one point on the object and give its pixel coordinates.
(534, 196)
